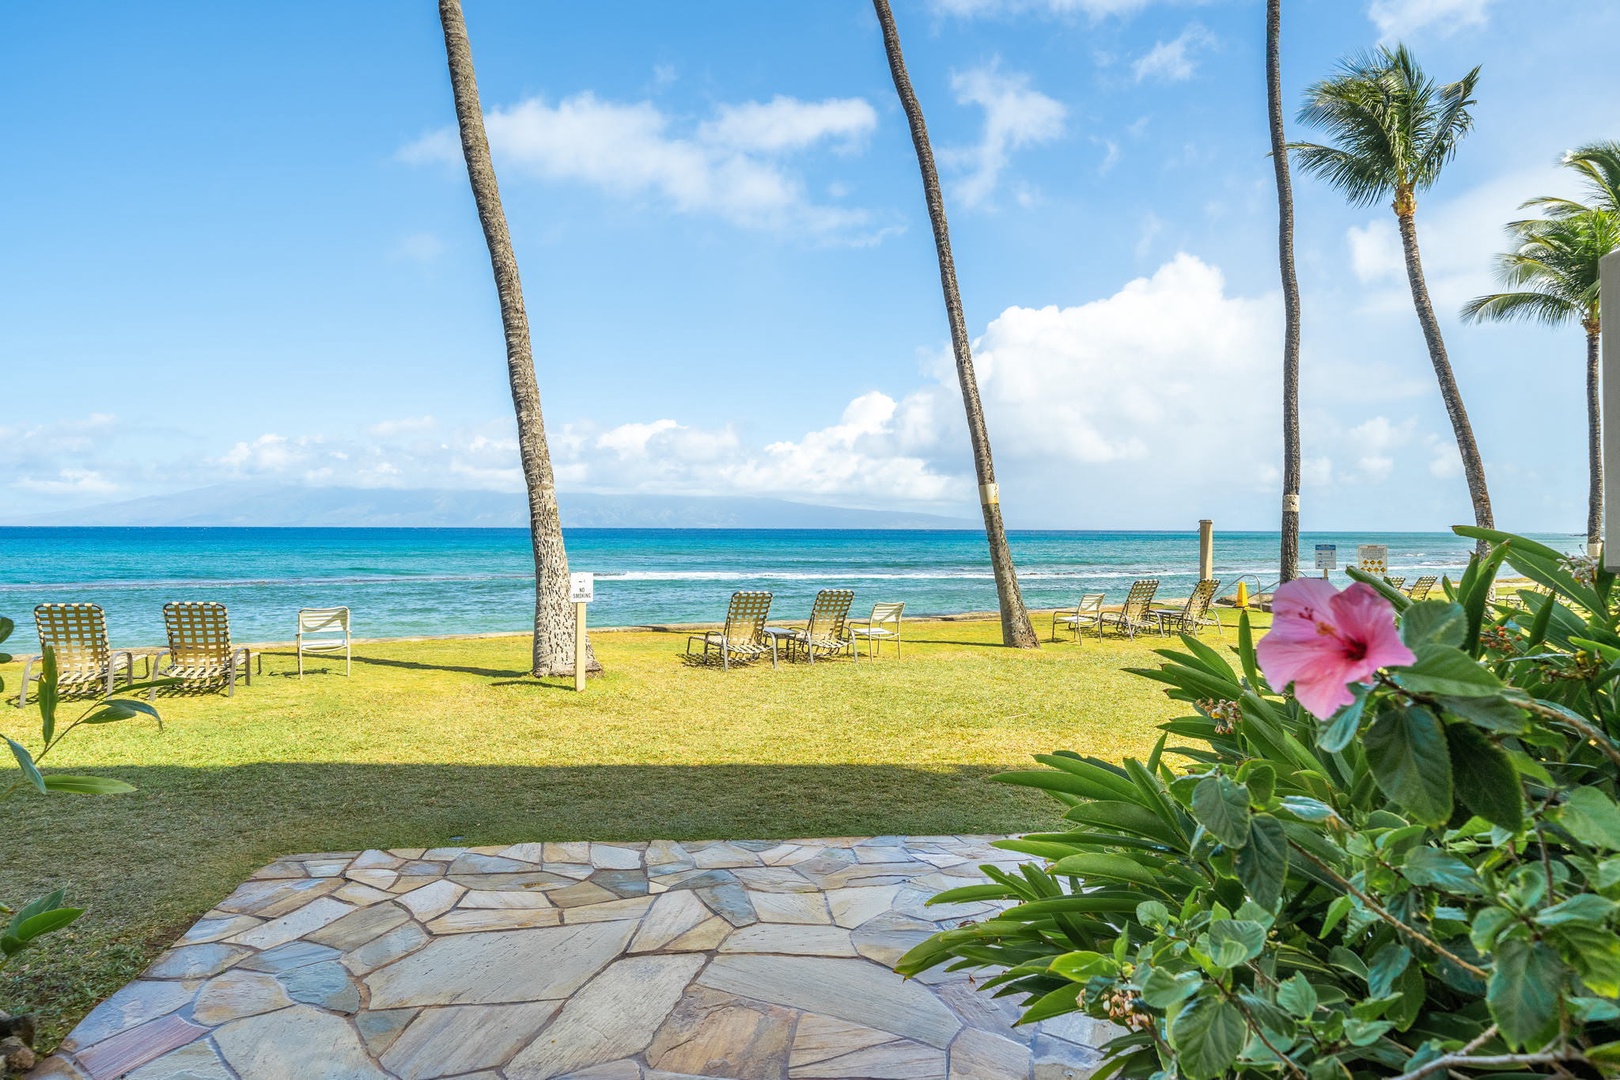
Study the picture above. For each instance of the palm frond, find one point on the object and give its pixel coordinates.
(1599, 165)
(1537, 307)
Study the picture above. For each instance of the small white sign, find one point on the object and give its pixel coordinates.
(581, 588)
(1327, 556)
(1373, 558)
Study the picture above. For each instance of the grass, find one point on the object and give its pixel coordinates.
(448, 742)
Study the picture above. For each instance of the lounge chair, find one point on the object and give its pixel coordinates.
(200, 655)
(744, 636)
(324, 630)
(827, 632)
(875, 629)
(1194, 615)
(1395, 582)
(1135, 613)
(1420, 588)
(76, 634)
(1087, 611)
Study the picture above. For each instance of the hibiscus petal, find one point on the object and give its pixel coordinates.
(1284, 658)
(1363, 615)
(1303, 598)
(1323, 692)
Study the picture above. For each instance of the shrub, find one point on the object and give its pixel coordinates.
(1422, 882)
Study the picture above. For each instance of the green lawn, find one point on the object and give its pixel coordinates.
(447, 742)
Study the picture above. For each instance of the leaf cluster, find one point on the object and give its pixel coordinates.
(1426, 882)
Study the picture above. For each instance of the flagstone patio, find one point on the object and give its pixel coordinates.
(589, 961)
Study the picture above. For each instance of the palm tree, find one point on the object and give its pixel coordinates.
(1553, 272)
(1290, 284)
(553, 615)
(1395, 130)
(1599, 167)
(1016, 629)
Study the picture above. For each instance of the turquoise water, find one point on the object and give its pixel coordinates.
(402, 582)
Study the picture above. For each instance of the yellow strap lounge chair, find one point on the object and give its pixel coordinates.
(200, 655)
(1395, 582)
(827, 632)
(76, 634)
(324, 630)
(1194, 615)
(744, 637)
(876, 628)
(1087, 611)
(1420, 588)
(1136, 612)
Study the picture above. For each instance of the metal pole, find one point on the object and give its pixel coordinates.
(1609, 303)
(579, 647)
(1206, 549)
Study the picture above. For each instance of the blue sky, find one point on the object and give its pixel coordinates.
(238, 246)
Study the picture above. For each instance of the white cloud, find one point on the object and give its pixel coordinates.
(69, 482)
(1375, 251)
(1374, 441)
(423, 247)
(731, 165)
(1399, 18)
(403, 425)
(1015, 115)
(1173, 61)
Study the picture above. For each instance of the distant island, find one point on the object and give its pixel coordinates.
(292, 506)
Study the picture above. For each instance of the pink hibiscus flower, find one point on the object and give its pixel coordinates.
(1322, 640)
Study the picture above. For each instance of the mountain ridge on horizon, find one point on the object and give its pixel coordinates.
(293, 506)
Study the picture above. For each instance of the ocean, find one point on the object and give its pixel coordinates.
(408, 582)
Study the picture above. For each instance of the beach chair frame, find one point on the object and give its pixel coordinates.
(76, 634)
(1087, 611)
(200, 655)
(744, 637)
(827, 632)
(1193, 615)
(874, 629)
(1420, 588)
(316, 627)
(1136, 612)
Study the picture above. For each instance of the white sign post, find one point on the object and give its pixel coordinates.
(1327, 558)
(1609, 276)
(581, 590)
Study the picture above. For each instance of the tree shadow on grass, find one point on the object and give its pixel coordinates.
(416, 665)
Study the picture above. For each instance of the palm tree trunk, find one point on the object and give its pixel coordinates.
(1594, 435)
(1473, 467)
(1289, 552)
(1016, 629)
(553, 615)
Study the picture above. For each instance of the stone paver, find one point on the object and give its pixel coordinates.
(699, 960)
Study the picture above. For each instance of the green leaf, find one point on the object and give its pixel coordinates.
(1163, 990)
(1488, 923)
(1337, 732)
(1407, 754)
(1306, 808)
(1595, 952)
(1429, 867)
(1222, 806)
(86, 785)
(1083, 965)
(1298, 996)
(1591, 817)
(1261, 780)
(25, 762)
(1063, 1000)
(47, 695)
(1490, 713)
(49, 902)
(1207, 1036)
(1434, 622)
(120, 709)
(1234, 941)
(1152, 914)
(45, 922)
(1587, 908)
(1262, 864)
(6, 627)
(1485, 779)
(1385, 967)
(1440, 669)
(1245, 648)
(1095, 865)
(1524, 991)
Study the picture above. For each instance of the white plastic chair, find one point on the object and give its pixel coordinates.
(324, 630)
(876, 629)
(1087, 611)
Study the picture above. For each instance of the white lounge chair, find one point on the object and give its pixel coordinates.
(876, 629)
(324, 630)
(1086, 612)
